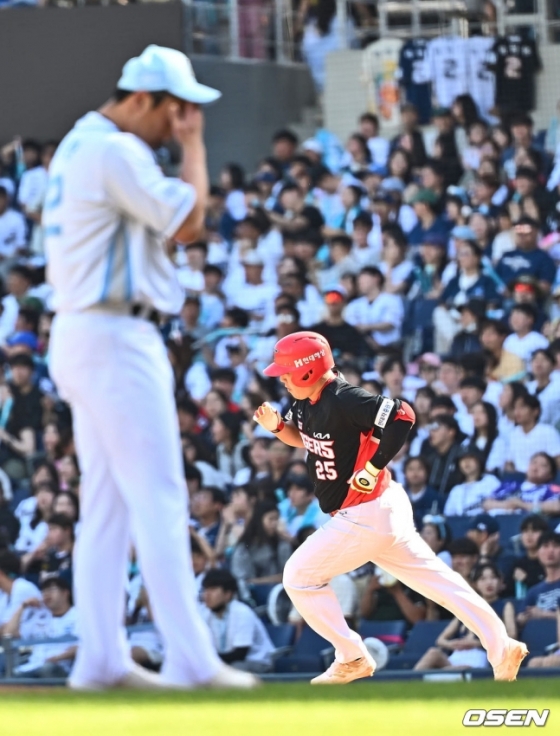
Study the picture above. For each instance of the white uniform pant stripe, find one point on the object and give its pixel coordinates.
(381, 531)
(115, 372)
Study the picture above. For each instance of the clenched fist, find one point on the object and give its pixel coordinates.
(267, 416)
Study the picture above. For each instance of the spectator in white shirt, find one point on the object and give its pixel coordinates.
(251, 293)
(375, 313)
(545, 387)
(12, 232)
(14, 590)
(366, 253)
(232, 181)
(394, 264)
(239, 635)
(47, 616)
(524, 340)
(466, 498)
(190, 275)
(378, 146)
(529, 436)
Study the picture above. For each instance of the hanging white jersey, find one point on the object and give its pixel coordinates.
(482, 81)
(448, 68)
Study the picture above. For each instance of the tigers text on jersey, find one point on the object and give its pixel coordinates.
(336, 431)
(107, 211)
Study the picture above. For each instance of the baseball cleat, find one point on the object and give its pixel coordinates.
(339, 673)
(137, 678)
(229, 677)
(509, 667)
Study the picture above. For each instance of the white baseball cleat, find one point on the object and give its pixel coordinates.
(229, 677)
(138, 678)
(509, 667)
(339, 673)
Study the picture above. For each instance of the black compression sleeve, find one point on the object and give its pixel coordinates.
(236, 655)
(394, 437)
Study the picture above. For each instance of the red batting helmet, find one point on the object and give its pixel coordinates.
(306, 356)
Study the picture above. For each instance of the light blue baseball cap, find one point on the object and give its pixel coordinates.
(159, 69)
(463, 232)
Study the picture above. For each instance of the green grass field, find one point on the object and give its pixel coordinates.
(381, 709)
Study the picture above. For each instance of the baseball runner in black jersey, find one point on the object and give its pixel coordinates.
(350, 437)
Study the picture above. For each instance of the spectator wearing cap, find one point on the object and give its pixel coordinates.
(341, 259)
(376, 314)
(469, 283)
(14, 589)
(300, 508)
(394, 264)
(507, 365)
(484, 530)
(50, 615)
(12, 232)
(424, 499)
(425, 203)
(525, 290)
(442, 452)
(529, 436)
(524, 339)
(466, 498)
(542, 600)
(545, 386)
(345, 340)
(467, 339)
(527, 258)
(251, 293)
(239, 635)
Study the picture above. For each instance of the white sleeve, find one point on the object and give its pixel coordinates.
(243, 631)
(21, 240)
(394, 311)
(136, 185)
(552, 441)
(350, 314)
(451, 507)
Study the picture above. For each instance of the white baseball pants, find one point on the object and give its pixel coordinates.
(381, 531)
(115, 373)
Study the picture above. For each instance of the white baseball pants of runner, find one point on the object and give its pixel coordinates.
(381, 531)
(115, 373)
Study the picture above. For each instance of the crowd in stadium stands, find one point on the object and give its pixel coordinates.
(434, 275)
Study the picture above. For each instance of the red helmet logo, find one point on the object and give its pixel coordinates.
(306, 356)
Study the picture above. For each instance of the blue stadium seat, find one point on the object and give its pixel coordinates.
(308, 654)
(509, 526)
(260, 592)
(281, 636)
(539, 634)
(458, 525)
(422, 636)
(390, 632)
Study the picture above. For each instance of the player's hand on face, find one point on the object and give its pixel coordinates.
(187, 122)
(267, 416)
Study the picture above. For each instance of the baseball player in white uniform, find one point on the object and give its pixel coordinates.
(108, 214)
(350, 437)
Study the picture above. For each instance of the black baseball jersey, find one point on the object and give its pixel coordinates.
(515, 61)
(336, 430)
